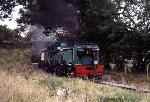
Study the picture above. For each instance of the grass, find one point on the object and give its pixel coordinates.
(139, 80)
(21, 83)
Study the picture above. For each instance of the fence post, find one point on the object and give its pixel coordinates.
(147, 70)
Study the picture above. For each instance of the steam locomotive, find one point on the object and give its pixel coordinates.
(79, 60)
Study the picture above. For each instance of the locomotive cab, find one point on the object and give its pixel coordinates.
(87, 63)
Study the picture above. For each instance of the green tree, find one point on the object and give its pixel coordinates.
(6, 6)
(134, 14)
(115, 22)
(108, 22)
(97, 22)
(6, 34)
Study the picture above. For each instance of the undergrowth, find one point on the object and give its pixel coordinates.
(21, 83)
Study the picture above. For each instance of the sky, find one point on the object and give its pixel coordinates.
(12, 24)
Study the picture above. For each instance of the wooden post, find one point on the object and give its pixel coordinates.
(125, 67)
(35, 65)
(125, 70)
(147, 70)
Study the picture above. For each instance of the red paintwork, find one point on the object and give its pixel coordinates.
(88, 70)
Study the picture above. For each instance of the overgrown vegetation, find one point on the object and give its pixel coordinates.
(21, 83)
(6, 34)
(116, 23)
(110, 23)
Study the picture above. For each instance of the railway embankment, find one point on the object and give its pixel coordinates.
(22, 83)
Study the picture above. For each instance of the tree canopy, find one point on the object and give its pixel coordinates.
(6, 34)
(6, 6)
(107, 22)
(122, 23)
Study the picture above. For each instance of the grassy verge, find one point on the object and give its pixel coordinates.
(21, 83)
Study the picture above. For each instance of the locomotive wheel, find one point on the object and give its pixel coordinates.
(97, 77)
(85, 78)
(60, 71)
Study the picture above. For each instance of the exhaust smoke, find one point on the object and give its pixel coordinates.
(52, 14)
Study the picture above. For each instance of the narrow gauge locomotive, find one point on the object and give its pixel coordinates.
(79, 60)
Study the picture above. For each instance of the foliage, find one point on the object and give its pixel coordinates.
(134, 14)
(6, 6)
(115, 23)
(97, 22)
(119, 23)
(5, 33)
(22, 83)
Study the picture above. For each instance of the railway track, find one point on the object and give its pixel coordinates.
(124, 86)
